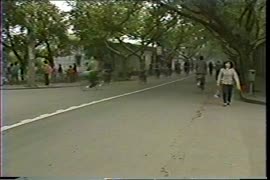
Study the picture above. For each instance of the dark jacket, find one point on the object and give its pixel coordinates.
(201, 67)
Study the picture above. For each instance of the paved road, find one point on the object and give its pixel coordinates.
(170, 131)
(27, 104)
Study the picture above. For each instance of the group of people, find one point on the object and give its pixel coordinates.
(167, 70)
(14, 73)
(158, 69)
(188, 67)
(226, 76)
(50, 72)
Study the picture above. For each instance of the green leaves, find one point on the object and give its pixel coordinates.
(42, 18)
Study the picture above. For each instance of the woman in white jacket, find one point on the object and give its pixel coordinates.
(226, 78)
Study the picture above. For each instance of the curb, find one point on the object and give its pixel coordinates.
(252, 101)
(49, 87)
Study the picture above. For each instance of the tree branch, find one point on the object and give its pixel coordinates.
(12, 47)
(258, 42)
(175, 9)
(38, 44)
(7, 46)
(243, 13)
(112, 49)
(130, 12)
(183, 55)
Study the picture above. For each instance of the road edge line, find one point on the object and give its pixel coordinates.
(60, 111)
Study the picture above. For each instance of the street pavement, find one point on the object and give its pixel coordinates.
(29, 103)
(171, 131)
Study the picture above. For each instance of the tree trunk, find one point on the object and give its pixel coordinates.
(31, 65)
(142, 75)
(124, 70)
(50, 54)
(245, 62)
(23, 70)
(51, 61)
(142, 63)
(24, 64)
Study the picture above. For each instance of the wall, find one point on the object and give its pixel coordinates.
(70, 60)
(133, 62)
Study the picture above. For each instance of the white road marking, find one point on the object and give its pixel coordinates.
(43, 116)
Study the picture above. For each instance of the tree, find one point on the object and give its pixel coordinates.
(106, 23)
(97, 24)
(29, 25)
(238, 25)
(146, 26)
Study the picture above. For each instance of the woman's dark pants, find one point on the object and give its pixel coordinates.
(227, 93)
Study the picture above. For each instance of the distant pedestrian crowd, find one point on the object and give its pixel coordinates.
(15, 73)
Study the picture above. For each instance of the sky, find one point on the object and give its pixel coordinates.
(62, 5)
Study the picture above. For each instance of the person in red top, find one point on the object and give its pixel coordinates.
(70, 74)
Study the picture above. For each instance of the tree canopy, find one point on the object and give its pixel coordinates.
(235, 28)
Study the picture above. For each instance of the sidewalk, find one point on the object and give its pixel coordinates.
(39, 86)
(259, 97)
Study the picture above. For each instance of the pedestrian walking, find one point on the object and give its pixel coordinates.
(75, 72)
(177, 67)
(218, 67)
(226, 78)
(9, 73)
(201, 71)
(15, 73)
(60, 71)
(54, 74)
(169, 68)
(70, 74)
(210, 67)
(150, 69)
(47, 73)
(157, 70)
(108, 73)
(93, 79)
(22, 72)
(143, 76)
(191, 66)
(187, 67)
